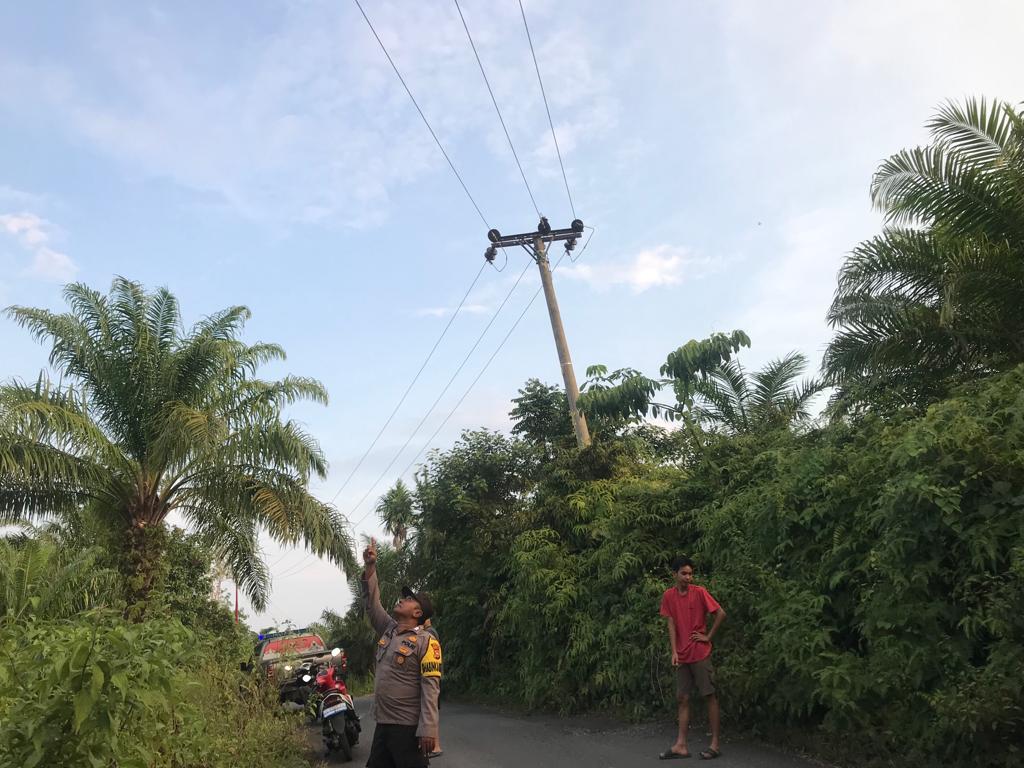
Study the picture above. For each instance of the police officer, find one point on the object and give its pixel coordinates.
(408, 675)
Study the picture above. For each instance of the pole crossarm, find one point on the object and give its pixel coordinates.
(535, 244)
(528, 239)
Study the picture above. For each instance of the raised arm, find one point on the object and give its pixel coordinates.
(380, 620)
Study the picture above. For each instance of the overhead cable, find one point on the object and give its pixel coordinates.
(444, 391)
(497, 109)
(546, 107)
(412, 383)
(423, 116)
(473, 383)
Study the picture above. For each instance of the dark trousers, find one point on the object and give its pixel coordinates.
(395, 746)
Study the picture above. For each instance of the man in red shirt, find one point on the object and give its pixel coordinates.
(687, 607)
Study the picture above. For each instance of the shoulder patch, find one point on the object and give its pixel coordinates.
(431, 664)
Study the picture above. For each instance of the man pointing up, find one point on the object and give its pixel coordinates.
(408, 674)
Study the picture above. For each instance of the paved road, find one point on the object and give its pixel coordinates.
(480, 737)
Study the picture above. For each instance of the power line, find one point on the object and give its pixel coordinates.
(444, 391)
(424, 117)
(412, 383)
(452, 319)
(473, 383)
(546, 107)
(496, 109)
(301, 565)
(291, 570)
(482, 371)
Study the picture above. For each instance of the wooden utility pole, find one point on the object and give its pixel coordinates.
(535, 244)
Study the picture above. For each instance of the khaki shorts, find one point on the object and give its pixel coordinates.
(699, 675)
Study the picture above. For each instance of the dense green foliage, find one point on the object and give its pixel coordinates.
(80, 685)
(101, 691)
(148, 419)
(873, 573)
(936, 298)
(871, 563)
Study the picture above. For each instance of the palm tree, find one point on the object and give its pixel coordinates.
(395, 511)
(731, 400)
(41, 579)
(148, 419)
(710, 386)
(938, 293)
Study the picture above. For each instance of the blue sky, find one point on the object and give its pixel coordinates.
(266, 155)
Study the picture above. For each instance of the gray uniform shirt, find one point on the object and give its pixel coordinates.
(408, 672)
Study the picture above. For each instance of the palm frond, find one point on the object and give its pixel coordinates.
(773, 383)
(980, 131)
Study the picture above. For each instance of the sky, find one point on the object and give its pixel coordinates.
(268, 156)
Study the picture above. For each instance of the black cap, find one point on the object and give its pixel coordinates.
(423, 599)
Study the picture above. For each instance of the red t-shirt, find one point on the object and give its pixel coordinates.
(689, 612)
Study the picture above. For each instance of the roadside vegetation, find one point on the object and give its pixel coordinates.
(868, 545)
(113, 650)
(863, 526)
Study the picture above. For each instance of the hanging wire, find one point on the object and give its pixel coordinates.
(412, 383)
(423, 116)
(497, 109)
(444, 391)
(483, 370)
(505, 264)
(548, 109)
(583, 249)
(295, 570)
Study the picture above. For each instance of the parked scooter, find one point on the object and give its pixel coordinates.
(297, 686)
(335, 710)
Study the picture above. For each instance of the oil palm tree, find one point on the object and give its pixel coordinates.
(395, 511)
(41, 579)
(938, 293)
(710, 387)
(729, 399)
(147, 419)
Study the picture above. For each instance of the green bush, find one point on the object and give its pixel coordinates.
(98, 691)
(873, 573)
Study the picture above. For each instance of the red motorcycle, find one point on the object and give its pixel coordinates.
(335, 710)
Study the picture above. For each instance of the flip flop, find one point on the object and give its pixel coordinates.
(668, 754)
(710, 754)
(438, 753)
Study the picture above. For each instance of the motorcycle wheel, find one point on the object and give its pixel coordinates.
(344, 750)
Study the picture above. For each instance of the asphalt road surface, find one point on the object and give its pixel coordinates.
(483, 737)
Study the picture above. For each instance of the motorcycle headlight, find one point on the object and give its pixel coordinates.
(306, 678)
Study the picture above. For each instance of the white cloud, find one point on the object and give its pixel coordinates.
(33, 234)
(651, 268)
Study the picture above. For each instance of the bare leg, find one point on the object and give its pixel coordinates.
(713, 720)
(684, 724)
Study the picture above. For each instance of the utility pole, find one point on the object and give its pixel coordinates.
(535, 244)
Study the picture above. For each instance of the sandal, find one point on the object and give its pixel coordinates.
(710, 754)
(668, 754)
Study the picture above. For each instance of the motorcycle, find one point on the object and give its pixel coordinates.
(296, 688)
(335, 710)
